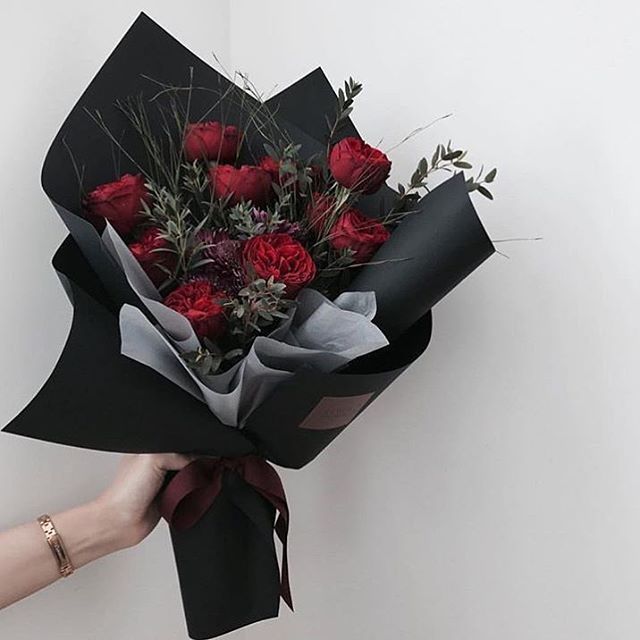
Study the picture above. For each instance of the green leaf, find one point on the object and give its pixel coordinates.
(271, 151)
(205, 365)
(485, 192)
(462, 165)
(452, 155)
(491, 176)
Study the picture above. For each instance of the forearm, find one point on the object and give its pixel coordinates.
(27, 563)
(121, 517)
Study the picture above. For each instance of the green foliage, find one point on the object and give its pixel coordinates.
(256, 307)
(344, 108)
(444, 158)
(211, 359)
(168, 213)
(244, 224)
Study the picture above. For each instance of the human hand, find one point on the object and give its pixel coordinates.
(129, 502)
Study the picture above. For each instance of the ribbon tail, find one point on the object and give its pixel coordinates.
(265, 479)
(285, 585)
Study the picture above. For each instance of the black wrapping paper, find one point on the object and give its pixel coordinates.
(429, 253)
(96, 398)
(227, 563)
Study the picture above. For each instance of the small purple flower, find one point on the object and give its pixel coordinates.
(290, 228)
(260, 216)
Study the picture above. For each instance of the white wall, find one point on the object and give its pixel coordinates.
(49, 52)
(492, 492)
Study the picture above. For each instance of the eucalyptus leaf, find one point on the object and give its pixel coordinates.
(485, 192)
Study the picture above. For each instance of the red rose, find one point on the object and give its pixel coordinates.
(211, 141)
(245, 183)
(356, 165)
(288, 176)
(319, 209)
(201, 305)
(357, 232)
(280, 256)
(272, 167)
(146, 250)
(119, 202)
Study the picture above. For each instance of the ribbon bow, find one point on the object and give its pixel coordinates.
(194, 489)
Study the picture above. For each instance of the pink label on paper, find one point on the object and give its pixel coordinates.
(334, 412)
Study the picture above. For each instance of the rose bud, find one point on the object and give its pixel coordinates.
(119, 202)
(272, 167)
(357, 166)
(201, 305)
(211, 141)
(319, 209)
(245, 183)
(150, 250)
(280, 256)
(362, 235)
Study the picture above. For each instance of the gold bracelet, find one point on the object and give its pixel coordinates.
(56, 545)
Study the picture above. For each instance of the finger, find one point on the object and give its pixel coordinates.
(171, 461)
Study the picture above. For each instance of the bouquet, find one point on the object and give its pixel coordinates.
(244, 285)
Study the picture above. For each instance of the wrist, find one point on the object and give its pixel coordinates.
(110, 527)
(89, 532)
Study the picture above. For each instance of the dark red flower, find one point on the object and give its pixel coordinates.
(319, 209)
(219, 246)
(149, 251)
(119, 202)
(211, 141)
(272, 167)
(282, 173)
(202, 306)
(245, 183)
(362, 235)
(357, 166)
(225, 255)
(280, 256)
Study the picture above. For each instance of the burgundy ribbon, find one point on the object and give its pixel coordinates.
(193, 490)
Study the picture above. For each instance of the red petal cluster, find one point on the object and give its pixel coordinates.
(279, 256)
(243, 184)
(356, 165)
(199, 303)
(211, 141)
(149, 251)
(119, 202)
(355, 231)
